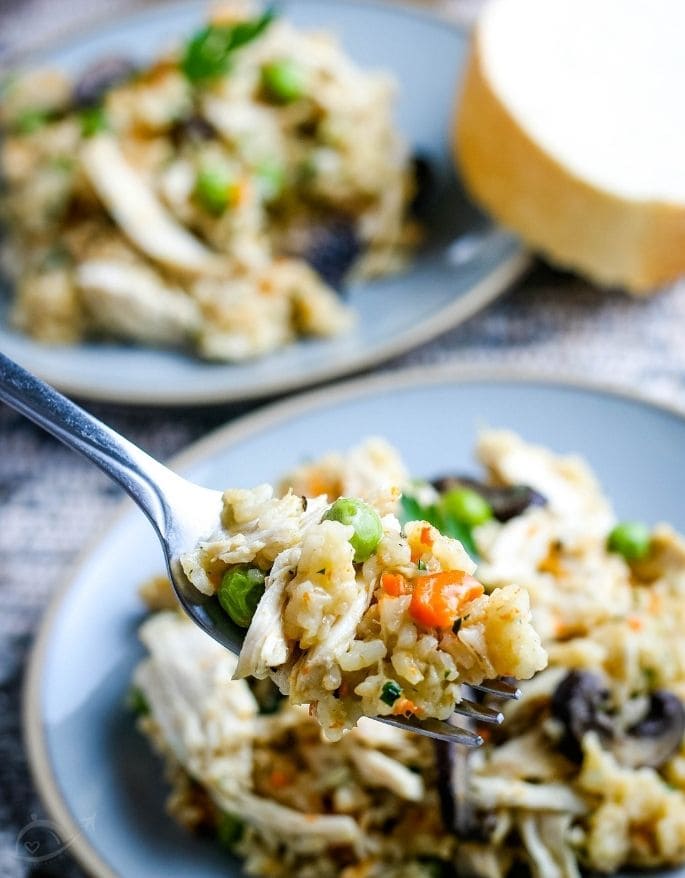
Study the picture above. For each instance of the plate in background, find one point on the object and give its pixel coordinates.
(96, 774)
(425, 54)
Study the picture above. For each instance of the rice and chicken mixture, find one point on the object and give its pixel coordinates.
(588, 769)
(215, 199)
(351, 613)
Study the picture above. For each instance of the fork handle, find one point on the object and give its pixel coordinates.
(140, 475)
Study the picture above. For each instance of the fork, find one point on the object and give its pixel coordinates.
(182, 515)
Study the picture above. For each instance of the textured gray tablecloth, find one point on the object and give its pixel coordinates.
(51, 501)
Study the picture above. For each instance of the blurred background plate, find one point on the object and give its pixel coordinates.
(96, 774)
(439, 291)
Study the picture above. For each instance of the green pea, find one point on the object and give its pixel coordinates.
(366, 522)
(229, 830)
(284, 81)
(390, 692)
(240, 591)
(214, 188)
(631, 539)
(466, 506)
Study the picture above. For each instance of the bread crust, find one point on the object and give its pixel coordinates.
(635, 244)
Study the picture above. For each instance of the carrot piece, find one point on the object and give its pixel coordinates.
(426, 540)
(427, 536)
(635, 623)
(394, 584)
(404, 706)
(278, 779)
(438, 599)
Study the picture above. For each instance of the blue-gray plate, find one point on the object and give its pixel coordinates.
(100, 782)
(437, 292)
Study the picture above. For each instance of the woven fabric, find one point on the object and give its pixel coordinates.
(51, 501)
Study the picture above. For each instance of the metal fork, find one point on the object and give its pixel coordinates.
(182, 515)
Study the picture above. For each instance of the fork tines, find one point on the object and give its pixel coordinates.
(468, 710)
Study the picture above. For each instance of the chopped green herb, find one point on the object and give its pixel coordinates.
(421, 565)
(229, 830)
(137, 702)
(240, 591)
(31, 120)
(208, 53)
(412, 510)
(93, 121)
(390, 692)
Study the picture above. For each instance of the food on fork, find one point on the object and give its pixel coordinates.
(352, 613)
(215, 199)
(351, 616)
(587, 771)
(566, 132)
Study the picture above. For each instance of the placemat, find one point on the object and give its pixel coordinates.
(52, 502)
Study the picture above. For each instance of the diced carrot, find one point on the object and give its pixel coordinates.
(427, 536)
(635, 623)
(278, 779)
(439, 598)
(394, 584)
(404, 706)
(426, 541)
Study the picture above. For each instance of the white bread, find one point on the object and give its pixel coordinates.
(571, 131)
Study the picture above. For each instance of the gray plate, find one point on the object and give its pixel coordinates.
(97, 776)
(395, 314)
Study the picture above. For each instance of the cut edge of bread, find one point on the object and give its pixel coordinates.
(638, 245)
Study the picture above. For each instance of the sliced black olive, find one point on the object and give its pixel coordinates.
(656, 737)
(506, 502)
(458, 814)
(98, 78)
(331, 249)
(580, 702)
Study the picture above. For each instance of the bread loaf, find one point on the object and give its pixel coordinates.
(571, 131)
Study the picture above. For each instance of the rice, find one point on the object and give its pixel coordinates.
(170, 208)
(548, 790)
(351, 638)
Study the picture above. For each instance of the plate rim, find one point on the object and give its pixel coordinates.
(476, 298)
(33, 729)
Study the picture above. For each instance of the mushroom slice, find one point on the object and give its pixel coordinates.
(656, 737)
(130, 301)
(135, 208)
